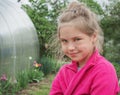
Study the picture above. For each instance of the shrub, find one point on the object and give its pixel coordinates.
(49, 65)
(117, 67)
(6, 86)
(35, 75)
(22, 79)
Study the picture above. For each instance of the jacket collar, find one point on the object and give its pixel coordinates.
(91, 62)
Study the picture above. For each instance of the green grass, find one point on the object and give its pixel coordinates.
(41, 88)
(44, 87)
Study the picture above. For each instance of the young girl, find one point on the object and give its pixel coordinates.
(81, 39)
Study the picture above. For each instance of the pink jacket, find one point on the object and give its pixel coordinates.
(97, 77)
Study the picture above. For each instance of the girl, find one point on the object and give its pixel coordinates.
(81, 39)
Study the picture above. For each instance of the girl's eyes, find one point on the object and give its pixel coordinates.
(77, 39)
(64, 41)
(74, 40)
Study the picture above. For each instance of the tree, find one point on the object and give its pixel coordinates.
(111, 26)
(44, 16)
(94, 6)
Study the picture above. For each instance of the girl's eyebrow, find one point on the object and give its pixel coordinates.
(62, 38)
(71, 37)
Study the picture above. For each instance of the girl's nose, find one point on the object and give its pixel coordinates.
(71, 46)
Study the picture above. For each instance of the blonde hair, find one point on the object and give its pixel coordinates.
(80, 16)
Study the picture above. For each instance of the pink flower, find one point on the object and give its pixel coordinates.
(3, 77)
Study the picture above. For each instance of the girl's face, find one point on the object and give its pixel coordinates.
(76, 45)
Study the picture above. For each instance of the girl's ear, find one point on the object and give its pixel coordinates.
(94, 37)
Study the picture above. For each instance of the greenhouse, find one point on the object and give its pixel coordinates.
(18, 39)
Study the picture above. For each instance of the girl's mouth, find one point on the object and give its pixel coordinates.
(73, 54)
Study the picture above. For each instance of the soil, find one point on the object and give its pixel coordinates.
(31, 86)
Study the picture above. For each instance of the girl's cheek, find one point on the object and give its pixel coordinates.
(63, 48)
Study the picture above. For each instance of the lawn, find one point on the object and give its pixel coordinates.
(41, 88)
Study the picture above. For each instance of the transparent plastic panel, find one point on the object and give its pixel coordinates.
(18, 39)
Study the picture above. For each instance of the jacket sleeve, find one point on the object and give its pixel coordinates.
(105, 83)
(56, 88)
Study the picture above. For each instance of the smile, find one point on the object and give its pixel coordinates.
(73, 54)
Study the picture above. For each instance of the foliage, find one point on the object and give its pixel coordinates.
(49, 65)
(9, 86)
(31, 75)
(94, 6)
(43, 14)
(26, 77)
(6, 87)
(111, 51)
(35, 74)
(22, 79)
(41, 88)
(4, 84)
(110, 24)
(117, 67)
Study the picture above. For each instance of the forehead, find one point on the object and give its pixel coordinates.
(70, 31)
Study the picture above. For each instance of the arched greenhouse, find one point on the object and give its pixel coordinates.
(18, 39)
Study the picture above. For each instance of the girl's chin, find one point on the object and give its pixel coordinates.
(75, 59)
